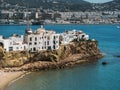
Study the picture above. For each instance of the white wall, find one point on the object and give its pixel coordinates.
(42, 41)
(15, 43)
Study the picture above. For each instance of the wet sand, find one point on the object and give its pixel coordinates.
(7, 77)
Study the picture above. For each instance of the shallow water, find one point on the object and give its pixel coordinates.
(93, 76)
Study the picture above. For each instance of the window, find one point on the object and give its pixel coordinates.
(70, 36)
(54, 37)
(48, 38)
(49, 47)
(30, 43)
(10, 48)
(30, 38)
(54, 42)
(47, 42)
(10, 43)
(35, 43)
(83, 36)
(53, 46)
(35, 38)
(34, 49)
(24, 47)
(17, 48)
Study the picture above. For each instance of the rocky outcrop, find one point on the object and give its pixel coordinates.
(118, 56)
(66, 55)
(83, 48)
(1, 53)
(13, 59)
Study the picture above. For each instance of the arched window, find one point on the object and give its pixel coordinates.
(30, 38)
(34, 49)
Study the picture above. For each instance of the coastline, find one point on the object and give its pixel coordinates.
(7, 77)
(66, 56)
(46, 65)
(59, 24)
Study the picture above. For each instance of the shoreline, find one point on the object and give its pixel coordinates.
(65, 57)
(12, 74)
(9, 77)
(46, 65)
(58, 24)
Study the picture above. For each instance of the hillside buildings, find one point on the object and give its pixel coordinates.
(41, 39)
(57, 17)
(60, 13)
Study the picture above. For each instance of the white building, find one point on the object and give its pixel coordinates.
(42, 39)
(69, 36)
(13, 43)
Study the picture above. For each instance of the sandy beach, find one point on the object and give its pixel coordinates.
(7, 77)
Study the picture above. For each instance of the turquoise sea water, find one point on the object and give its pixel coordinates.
(93, 76)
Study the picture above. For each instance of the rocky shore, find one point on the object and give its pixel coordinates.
(66, 56)
(15, 64)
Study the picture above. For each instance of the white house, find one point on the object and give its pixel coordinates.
(69, 36)
(13, 43)
(42, 39)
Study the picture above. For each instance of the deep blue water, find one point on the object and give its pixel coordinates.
(93, 76)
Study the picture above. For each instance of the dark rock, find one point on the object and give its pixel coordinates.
(118, 56)
(104, 63)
